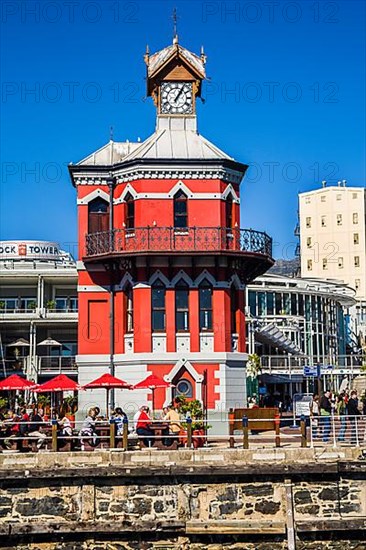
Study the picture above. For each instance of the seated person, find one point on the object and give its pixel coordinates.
(172, 416)
(143, 429)
(36, 430)
(118, 416)
(64, 429)
(87, 432)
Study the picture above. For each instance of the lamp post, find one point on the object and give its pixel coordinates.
(111, 182)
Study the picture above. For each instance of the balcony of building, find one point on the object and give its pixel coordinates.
(39, 365)
(293, 365)
(249, 250)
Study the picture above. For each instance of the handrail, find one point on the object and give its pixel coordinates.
(172, 239)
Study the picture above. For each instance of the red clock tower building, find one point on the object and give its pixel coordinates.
(163, 260)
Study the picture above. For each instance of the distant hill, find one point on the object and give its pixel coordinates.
(291, 268)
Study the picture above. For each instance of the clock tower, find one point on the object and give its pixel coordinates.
(174, 81)
(163, 261)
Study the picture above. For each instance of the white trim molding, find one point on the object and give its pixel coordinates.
(198, 378)
(93, 195)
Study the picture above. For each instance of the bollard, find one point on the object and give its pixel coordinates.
(245, 433)
(112, 434)
(189, 432)
(125, 433)
(304, 442)
(231, 427)
(54, 435)
(277, 430)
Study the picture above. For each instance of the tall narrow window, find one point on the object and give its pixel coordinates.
(98, 215)
(229, 212)
(158, 306)
(180, 210)
(129, 308)
(205, 299)
(308, 222)
(130, 211)
(181, 306)
(234, 308)
(356, 239)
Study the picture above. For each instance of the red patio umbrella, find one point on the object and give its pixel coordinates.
(59, 383)
(152, 382)
(108, 382)
(15, 382)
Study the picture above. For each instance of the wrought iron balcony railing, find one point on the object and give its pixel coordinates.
(172, 239)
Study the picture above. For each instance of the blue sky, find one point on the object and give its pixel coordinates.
(286, 95)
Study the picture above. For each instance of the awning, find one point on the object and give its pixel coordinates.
(280, 379)
(273, 336)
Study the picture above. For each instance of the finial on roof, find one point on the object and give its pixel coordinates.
(175, 25)
(203, 55)
(111, 132)
(147, 54)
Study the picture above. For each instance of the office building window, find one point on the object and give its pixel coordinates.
(340, 262)
(308, 242)
(323, 198)
(323, 221)
(339, 219)
(339, 197)
(310, 265)
(308, 222)
(356, 239)
(325, 263)
(356, 261)
(307, 200)
(357, 284)
(130, 211)
(354, 195)
(355, 218)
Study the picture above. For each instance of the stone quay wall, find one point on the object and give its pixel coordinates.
(184, 500)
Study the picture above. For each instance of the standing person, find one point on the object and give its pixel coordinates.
(353, 412)
(143, 427)
(314, 413)
(341, 412)
(325, 413)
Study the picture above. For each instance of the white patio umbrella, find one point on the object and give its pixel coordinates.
(21, 342)
(49, 342)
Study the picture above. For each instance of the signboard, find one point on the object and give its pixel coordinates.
(302, 403)
(311, 370)
(29, 250)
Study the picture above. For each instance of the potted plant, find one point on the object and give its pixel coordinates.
(2, 306)
(70, 406)
(193, 409)
(43, 402)
(32, 305)
(51, 304)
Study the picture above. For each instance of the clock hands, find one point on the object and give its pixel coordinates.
(179, 94)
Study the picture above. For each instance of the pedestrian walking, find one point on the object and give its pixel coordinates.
(353, 413)
(325, 414)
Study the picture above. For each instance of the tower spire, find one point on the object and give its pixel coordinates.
(175, 26)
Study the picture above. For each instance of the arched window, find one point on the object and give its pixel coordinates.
(229, 212)
(183, 387)
(98, 215)
(158, 306)
(205, 301)
(129, 308)
(130, 211)
(180, 210)
(182, 306)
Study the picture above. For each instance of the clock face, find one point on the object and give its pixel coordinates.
(176, 98)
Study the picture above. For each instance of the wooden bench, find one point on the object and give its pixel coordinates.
(259, 420)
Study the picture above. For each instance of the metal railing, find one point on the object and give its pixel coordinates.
(306, 432)
(56, 364)
(296, 363)
(172, 239)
